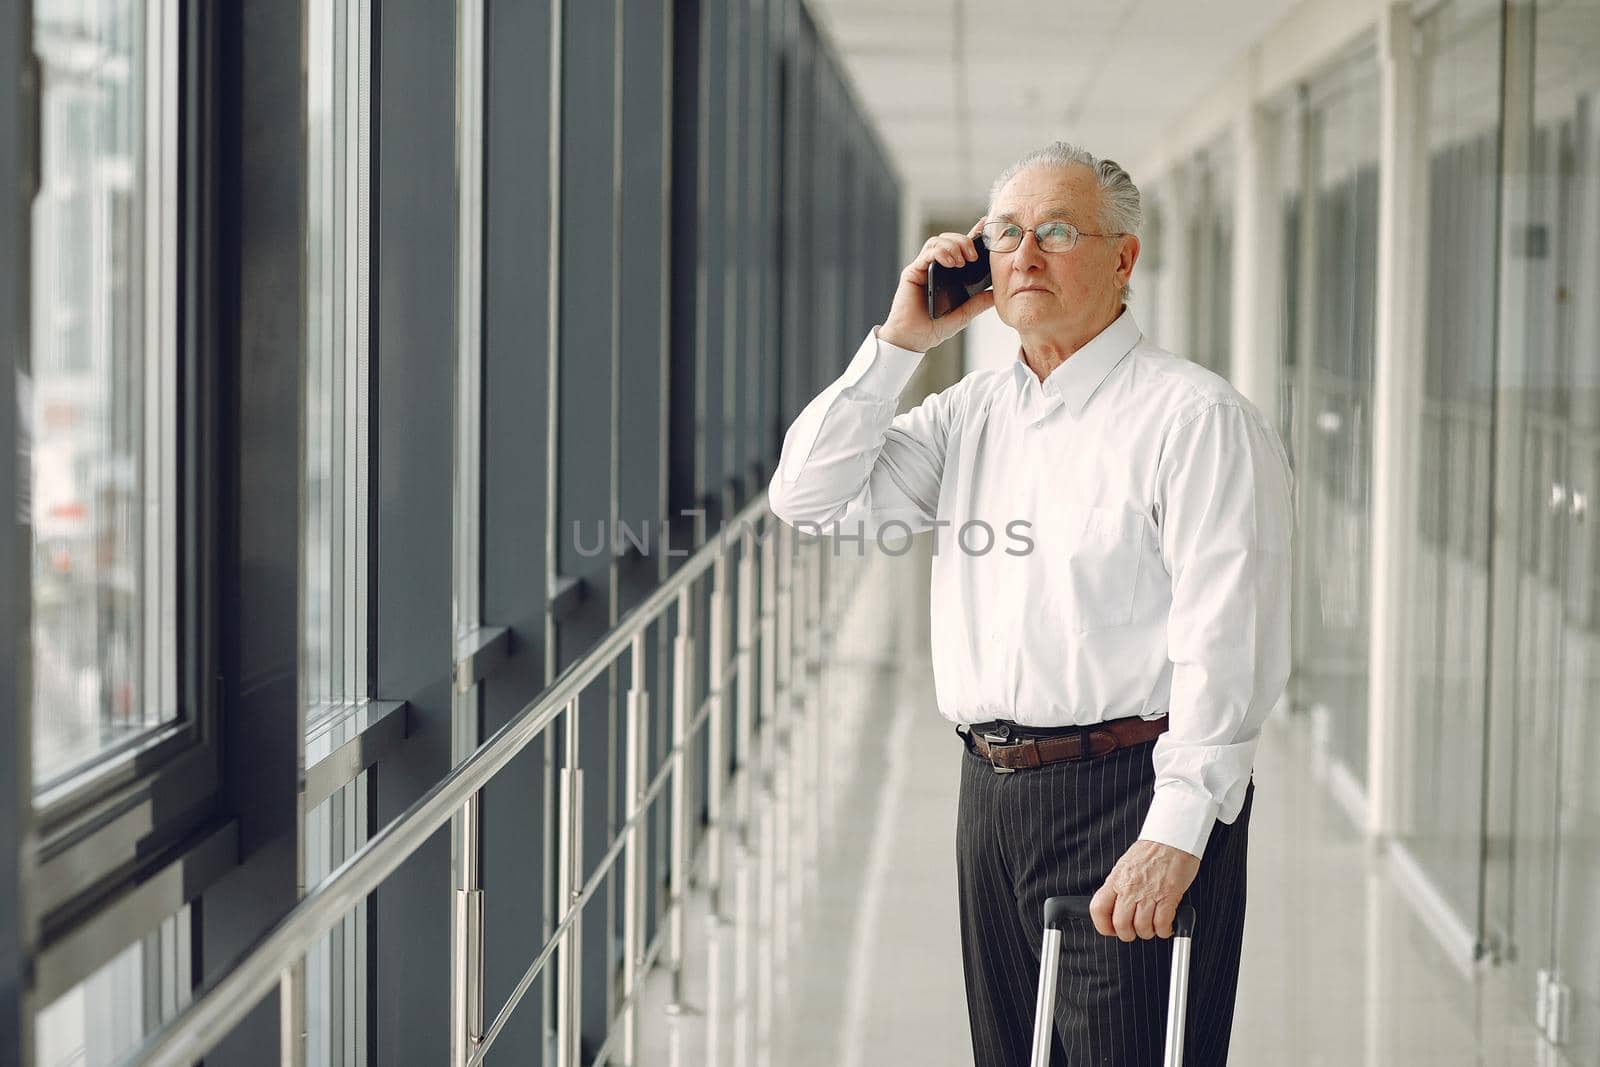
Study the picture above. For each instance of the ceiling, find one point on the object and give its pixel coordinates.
(958, 89)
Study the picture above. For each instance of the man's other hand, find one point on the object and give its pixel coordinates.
(1140, 896)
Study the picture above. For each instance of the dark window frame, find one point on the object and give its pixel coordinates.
(173, 770)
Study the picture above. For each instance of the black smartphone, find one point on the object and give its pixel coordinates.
(950, 287)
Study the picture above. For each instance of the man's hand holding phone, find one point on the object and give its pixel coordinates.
(908, 325)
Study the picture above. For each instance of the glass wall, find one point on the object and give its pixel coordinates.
(1509, 417)
(702, 151)
(1331, 215)
(1502, 581)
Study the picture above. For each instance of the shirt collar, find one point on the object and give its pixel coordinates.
(1080, 374)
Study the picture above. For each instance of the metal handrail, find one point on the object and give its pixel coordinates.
(225, 1000)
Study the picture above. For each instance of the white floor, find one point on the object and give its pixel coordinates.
(855, 960)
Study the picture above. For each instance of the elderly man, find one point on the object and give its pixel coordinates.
(1109, 671)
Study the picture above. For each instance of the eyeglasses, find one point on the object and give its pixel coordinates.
(1054, 236)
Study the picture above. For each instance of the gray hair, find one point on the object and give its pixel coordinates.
(1121, 210)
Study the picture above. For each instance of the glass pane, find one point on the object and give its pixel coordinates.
(1292, 181)
(103, 1018)
(1144, 289)
(1332, 404)
(1210, 248)
(336, 969)
(336, 345)
(104, 385)
(1442, 763)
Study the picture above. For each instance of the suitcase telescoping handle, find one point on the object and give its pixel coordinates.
(1058, 911)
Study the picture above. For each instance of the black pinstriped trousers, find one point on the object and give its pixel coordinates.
(1058, 830)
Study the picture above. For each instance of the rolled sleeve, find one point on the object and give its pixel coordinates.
(1224, 493)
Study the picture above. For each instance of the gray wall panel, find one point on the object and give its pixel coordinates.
(413, 309)
(585, 458)
(262, 210)
(714, 247)
(516, 363)
(687, 236)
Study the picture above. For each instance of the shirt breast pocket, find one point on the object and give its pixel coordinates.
(1103, 568)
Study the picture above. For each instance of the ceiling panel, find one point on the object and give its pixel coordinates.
(960, 88)
(904, 86)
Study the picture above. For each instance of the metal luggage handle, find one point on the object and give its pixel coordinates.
(1057, 911)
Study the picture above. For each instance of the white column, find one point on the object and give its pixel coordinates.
(1397, 404)
(1257, 258)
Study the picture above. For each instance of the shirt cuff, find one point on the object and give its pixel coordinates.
(881, 369)
(1181, 818)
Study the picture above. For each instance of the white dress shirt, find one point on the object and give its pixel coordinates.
(1157, 504)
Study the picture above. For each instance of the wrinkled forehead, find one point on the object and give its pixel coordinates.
(1039, 193)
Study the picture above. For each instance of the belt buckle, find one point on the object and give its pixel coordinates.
(996, 740)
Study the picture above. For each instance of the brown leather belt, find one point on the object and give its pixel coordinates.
(1009, 747)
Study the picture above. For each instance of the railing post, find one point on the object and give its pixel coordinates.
(766, 765)
(784, 616)
(551, 851)
(770, 550)
(569, 879)
(292, 1015)
(636, 744)
(802, 734)
(678, 874)
(816, 810)
(783, 758)
(716, 724)
(744, 692)
(466, 941)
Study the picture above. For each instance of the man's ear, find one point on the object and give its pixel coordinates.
(1127, 256)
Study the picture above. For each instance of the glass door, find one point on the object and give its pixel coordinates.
(1566, 121)
(1541, 860)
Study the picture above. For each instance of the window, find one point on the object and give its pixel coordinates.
(337, 261)
(105, 1017)
(118, 408)
(104, 397)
